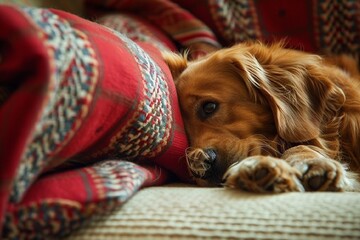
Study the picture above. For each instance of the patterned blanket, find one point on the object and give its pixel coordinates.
(89, 114)
(320, 26)
(87, 117)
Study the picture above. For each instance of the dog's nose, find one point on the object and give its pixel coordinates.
(210, 161)
(211, 155)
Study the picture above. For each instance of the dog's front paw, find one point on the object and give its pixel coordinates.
(324, 174)
(263, 174)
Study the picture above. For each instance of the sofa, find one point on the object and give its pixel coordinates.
(91, 137)
(183, 211)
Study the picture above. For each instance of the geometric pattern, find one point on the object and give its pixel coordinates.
(72, 81)
(337, 30)
(116, 179)
(115, 182)
(99, 91)
(235, 19)
(133, 28)
(149, 129)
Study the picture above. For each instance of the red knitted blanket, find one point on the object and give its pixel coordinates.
(87, 117)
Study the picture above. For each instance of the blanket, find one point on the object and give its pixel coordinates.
(318, 26)
(88, 110)
(87, 118)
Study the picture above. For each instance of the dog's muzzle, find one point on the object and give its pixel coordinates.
(201, 162)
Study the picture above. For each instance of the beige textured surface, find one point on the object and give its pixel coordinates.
(185, 212)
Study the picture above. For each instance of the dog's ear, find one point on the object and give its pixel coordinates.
(299, 92)
(177, 63)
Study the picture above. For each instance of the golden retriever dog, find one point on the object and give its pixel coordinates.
(263, 118)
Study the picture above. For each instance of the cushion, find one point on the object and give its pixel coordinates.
(218, 213)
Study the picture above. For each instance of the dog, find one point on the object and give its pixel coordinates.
(265, 118)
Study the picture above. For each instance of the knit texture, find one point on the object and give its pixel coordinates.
(188, 212)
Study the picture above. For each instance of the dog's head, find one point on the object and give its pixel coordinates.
(247, 99)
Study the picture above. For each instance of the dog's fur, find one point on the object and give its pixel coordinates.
(269, 119)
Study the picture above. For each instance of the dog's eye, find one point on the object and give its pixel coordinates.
(207, 109)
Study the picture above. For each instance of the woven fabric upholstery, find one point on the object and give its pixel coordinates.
(186, 212)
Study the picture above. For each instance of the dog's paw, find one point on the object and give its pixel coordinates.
(324, 174)
(263, 174)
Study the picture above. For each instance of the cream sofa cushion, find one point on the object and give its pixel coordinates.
(189, 212)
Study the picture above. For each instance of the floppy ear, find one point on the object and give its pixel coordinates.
(294, 84)
(177, 63)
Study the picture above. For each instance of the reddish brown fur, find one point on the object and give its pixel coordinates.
(273, 104)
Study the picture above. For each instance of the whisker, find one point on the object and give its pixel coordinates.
(195, 160)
